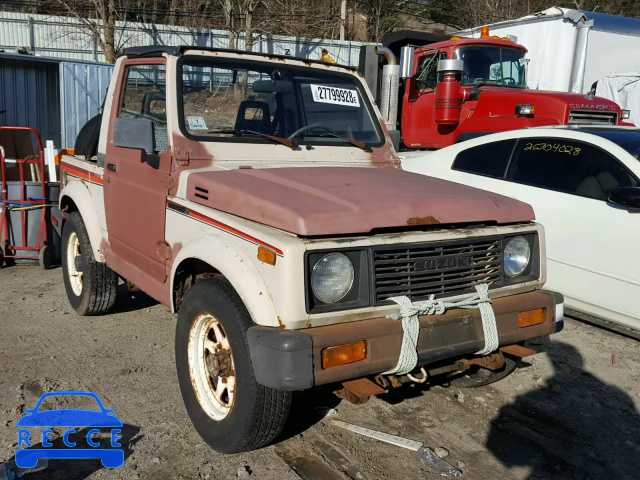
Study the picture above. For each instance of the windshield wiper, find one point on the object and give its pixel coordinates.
(292, 144)
(353, 142)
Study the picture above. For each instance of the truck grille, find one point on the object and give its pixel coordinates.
(592, 118)
(443, 269)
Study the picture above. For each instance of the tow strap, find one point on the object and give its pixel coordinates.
(409, 312)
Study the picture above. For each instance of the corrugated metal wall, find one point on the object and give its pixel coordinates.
(65, 37)
(53, 96)
(30, 96)
(83, 88)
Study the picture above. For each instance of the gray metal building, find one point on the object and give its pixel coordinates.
(52, 95)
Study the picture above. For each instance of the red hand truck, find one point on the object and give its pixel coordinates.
(23, 204)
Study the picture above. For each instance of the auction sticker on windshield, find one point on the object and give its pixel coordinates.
(196, 123)
(335, 95)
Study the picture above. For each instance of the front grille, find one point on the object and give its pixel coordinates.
(444, 269)
(592, 118)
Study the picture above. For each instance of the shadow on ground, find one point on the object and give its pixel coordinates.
(128, 301)
(576, 426)
(308, 407)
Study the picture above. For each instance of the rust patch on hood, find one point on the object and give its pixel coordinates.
(430, 220)
(348, 200)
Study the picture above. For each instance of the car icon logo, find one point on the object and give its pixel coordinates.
(28, 457)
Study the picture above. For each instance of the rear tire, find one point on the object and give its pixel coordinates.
(479, 377)
(90, 285)
(247, 415)
(88, 136)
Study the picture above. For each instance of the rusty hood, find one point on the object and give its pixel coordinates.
(343, 200)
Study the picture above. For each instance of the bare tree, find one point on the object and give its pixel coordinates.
(99, 20)
(383, 16)
(302, 18)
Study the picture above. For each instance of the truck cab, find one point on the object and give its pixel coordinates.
(260, 198)
(459, 88)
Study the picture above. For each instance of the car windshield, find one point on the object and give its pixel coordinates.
(486, 65)
(231, 100)
(627, 139)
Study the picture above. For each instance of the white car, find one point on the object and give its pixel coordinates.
(584, 186)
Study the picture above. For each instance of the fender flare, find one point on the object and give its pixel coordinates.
(81, 197)
(237, 268)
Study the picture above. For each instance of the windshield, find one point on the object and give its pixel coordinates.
(227, 99)
(492, 66)
(626, 139)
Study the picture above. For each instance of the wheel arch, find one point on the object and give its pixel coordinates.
(76, 197)
(213, 255)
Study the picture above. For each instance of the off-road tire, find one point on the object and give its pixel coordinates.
(88, 137)
(479, 377)
(259, 413)
(99, 282)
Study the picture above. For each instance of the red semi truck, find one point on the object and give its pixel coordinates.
(450, 89)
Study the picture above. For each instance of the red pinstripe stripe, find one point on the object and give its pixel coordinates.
(84, 174)
(227, 228)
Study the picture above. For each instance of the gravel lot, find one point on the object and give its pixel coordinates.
(569, 412)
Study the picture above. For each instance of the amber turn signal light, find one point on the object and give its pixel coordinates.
(531, 317)
(267, 256)
(336, 356)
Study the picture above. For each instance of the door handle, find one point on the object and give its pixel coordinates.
(111, 166)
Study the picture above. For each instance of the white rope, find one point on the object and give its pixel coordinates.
(409, 312)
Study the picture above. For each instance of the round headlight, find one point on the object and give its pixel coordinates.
(332, 277)
(517, 254)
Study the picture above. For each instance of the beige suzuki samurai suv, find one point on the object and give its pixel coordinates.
(260, 197)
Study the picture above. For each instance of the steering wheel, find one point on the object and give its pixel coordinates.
(311, 126)
(509, 80)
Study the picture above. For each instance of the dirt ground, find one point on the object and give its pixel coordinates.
(570, 412)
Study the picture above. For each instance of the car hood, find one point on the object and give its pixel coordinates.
(346, 200)
(69, 418)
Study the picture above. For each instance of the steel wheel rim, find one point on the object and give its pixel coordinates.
(211, 367)
(73, 252)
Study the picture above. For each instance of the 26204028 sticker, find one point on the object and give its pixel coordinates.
(335, 95)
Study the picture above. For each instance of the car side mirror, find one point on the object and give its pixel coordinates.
(627, 197)
(137, 133)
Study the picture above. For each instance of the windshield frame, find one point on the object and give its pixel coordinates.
(490, 83)
(247, 63)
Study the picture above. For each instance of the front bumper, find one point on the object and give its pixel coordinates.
(292, 359)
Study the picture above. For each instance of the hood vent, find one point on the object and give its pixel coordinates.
(202, 193)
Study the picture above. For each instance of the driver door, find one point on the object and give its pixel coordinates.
(418, 111)
(135, 190)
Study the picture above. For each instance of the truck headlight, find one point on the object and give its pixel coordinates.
(525, 110)
(332, 277)
(626, 114)
(517, 254)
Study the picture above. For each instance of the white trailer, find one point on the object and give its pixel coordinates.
(569, 50)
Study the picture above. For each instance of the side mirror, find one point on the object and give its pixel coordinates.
(407, 55)
(627, 197)
(136, 133)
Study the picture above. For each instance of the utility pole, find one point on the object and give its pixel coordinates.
(343, 18)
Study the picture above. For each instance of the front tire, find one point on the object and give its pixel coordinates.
(90, 285)
(230, 410)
